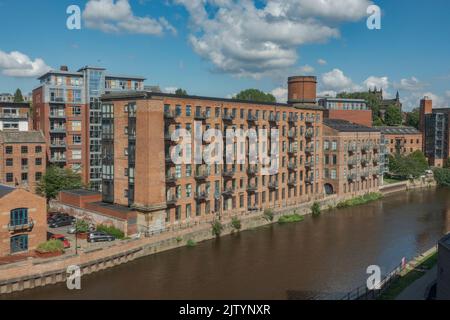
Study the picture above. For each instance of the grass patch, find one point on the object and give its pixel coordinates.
(369, 197)
(191, 243)
(408, 277)
(51, 246)
(290, 218)
(118, 234)
(392, 180)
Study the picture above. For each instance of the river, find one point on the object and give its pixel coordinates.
(320, 258)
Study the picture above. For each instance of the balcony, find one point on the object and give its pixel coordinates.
(200, 116)
(227, 117)
(376, 160)
(309, 180)
(57, 115)
(352, 162)
(292, 151)
(292, 166)
(253, 207)
(309, 149)
(252, 187)
(168, 137)
(58, 130)
(201, 175)
(252, 118)
(58, 159)
(228, 192)
(292, 182)
(309, 121)
(13, 116)
(168, 159)
(293, 118)
(364, 162)
(228, 173)
(21, 225)
(252, 171)
(171, 179)
(273, 118)
(309, 165)
(351, 177)
(171, 200)
(351, 149)
(201, 196)
(366, 147)
(292, 134)
(365, 175)
(57, 144)
(309, 134)
(273, 185)
(169, 114)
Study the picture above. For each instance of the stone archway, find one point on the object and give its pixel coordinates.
(328, 189)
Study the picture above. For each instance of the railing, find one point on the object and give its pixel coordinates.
(202, 174)
(17, 225)
(292, 134)
(228, 192)
(228, 173)
(252, 117)
(58, 159)
(58, 129)
(309, 134)
(171, 178)
(309, 120)
(352, 149)
(352, 162)
(309, 149)
(293, 118)
(364, 293)
(309, 164)
(351, 177)
(57, 144)
(57, 115)
(273, 185)
(200, 196)
(292, 182)
(171, 200)
(200, 116)
(252, 187)
(169, 114)
(292, 166)
(252, 170)
(227, 117)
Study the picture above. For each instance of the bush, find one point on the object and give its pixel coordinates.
(360, 200)
(236, 223)
(217, 228)
(81, 226)
(290, 218)
(315, 209)
(412, 165)
(179, 239)
(268, 214)
(51, 246)
(442, 176)
(191, 243)
(118, 234)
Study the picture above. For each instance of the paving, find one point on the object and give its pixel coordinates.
(419, 288)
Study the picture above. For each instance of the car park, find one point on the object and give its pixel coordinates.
(61, 238)
(99, 236)
(61, 222)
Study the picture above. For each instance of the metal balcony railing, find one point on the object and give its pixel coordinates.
(21, 225)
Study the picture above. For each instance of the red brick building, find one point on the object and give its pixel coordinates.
(22, 158)
(352, 110)
(401, 140)
(23, 221)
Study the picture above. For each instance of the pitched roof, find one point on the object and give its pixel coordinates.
(398, 130)
(346, 126)
(4, 190)
(21, 137)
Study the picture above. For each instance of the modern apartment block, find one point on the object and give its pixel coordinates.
(139, 172)
(22, 158)
(23, 221)
(67, 110)
(402, 140)
(15, 116)
(353, 159)
(352, 110)
(434, 124)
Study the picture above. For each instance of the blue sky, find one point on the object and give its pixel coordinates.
(218, 47)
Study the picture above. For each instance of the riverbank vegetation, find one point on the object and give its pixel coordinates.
(51, 246)
(408, 166)
(290, 218)
(369, 197)
(217, 228)
(117, 233)
(315, 209)
(191, 243)
(408, 276)
(268, 214)
(236, 224)
(442, 176)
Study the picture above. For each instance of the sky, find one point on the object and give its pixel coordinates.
(220, 47)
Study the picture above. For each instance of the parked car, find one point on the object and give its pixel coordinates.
(61, 238)
(73, 229)
(62, 222)
(59, 217)
(98, 236)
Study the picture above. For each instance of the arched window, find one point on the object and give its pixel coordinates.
(19, 217)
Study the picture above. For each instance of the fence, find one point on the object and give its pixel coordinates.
(364, 293)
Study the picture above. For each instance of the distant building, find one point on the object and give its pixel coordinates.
(15, 116)
(67, 109)
(8, 97)
(353, 159)
(401, 140)
(352, 110)
(23, 221)
(22, 158)
(386, 103)
(434, 125)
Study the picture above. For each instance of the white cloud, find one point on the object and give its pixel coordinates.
(239, 38)
(281, 94)
(322, 62)
(117, 16)
(336, 80)
(306, 69)
(170, 89)
(17, 64)
(412, 84)
(377, 82)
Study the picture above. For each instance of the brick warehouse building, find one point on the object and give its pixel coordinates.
(22, 158)
(353, 158)
(352, 110)
(23, 221)
(67, 111)
(402, 140)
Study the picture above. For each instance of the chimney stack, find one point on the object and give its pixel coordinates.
(302, 89)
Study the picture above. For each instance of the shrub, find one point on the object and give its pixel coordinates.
(179, 239)
(268, 214)
(236, 223)
(217, 228)
(191, 243)
(290, 218)
(315, 209)
(51, 246)
(118, 234)
(360, 200)
(442, 176)
(82, 226)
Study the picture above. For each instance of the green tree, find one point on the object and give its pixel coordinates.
(255, 95)
(18, 97)
(378, 122)
(412, 165)
(181, 92)
(373, 103)
(447, 163)
(393, 116)
(412, 118)
(56, 179)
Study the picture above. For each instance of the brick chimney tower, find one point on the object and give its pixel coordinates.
(302, 89)
(426, 107)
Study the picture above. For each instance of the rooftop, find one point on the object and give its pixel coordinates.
(149, 95)
(341, 99)
(82, 192)
(14, 105)
(21, 137)
(4, 190)
(346, 126)
(398, 130)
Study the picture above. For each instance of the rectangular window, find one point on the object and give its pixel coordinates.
(76, 126)
(24, 177)
(76, 154)
(24, 149)
(38, 176)
(19, 243)
(8, 149)
(38, 149)
(9, 162)
(76, 139)
(9, 177)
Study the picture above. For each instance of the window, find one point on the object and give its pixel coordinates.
(19, 243)
(76, 139)
(9, 162)
(38, 149)
(24, 149)
(189, 190)
(9, 177)
(37, 176)
(8, 149)
(188, 210)
(125, 152)
(188, 170)
(76, 125)
(76, 111)
(76, 154)
(188, 110)
(24, 177)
